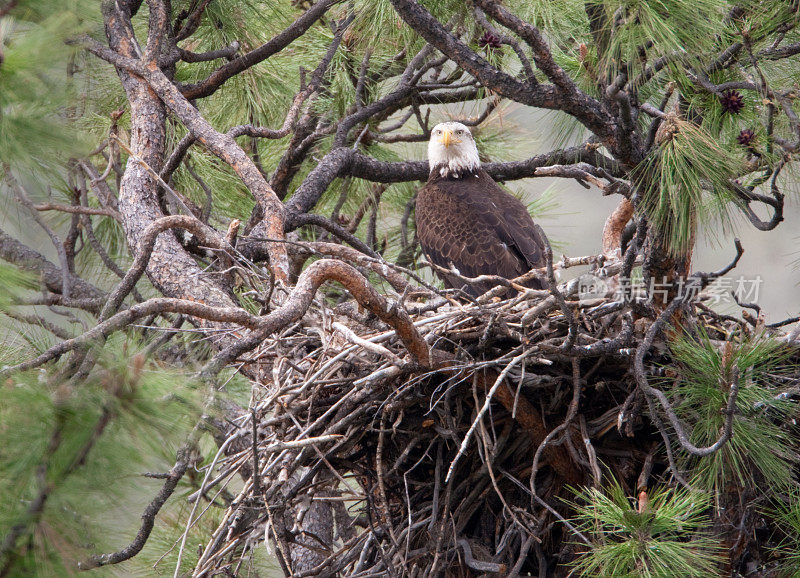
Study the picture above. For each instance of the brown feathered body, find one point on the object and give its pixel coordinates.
(468, 222)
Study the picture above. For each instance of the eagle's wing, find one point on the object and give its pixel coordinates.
(514, 225)
(477, 227)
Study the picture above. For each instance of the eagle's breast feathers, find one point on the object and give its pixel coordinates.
(465, 220)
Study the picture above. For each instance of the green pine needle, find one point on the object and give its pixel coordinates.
(666, 538)
(657, 28)
(760, 447)
(684, 181)
(149, 410)
(786, 513)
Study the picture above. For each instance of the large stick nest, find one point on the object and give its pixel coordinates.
(408, 470)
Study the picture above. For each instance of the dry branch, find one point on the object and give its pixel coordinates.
(422, 424)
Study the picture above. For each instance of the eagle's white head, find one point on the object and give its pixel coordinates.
(452, 150)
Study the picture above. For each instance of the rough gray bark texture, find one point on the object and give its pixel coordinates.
(170, 268)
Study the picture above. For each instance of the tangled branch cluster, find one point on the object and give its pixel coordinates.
(362, 458)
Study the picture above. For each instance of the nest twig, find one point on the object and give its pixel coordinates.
(388, 467)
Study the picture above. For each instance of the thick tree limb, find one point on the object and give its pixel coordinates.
(225, 147)
(346, 161)
(300, 299)
(168, 264)
(27, 259)
(147, 243)
(614, 227)
(220, 144)
(585, 109)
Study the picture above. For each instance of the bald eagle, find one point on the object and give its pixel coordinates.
(465, 220)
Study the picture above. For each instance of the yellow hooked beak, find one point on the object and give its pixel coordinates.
(446, 138)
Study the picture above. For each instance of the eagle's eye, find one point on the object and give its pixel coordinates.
(459, 132)
(437, 131)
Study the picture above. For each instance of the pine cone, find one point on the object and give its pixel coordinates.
(747, 137)
(732, 101)
(489, 40)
